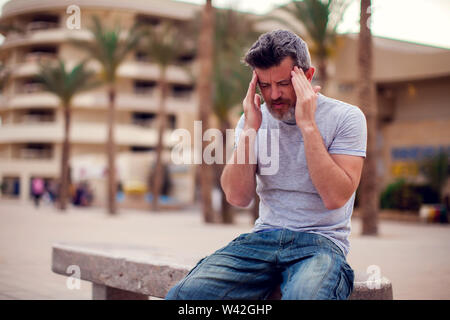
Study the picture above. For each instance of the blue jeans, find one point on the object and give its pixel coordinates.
(304, 265)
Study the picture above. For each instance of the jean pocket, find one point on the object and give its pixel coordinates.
(345, 284)
(240, 239)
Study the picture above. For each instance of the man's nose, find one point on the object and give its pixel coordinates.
(275, 92)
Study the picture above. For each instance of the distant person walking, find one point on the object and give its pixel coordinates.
(37, 188)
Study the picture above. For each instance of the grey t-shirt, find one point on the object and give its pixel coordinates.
(288, 198)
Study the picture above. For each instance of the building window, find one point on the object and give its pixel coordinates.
(38, 115)
(143, 119)
(171, 121)
(43, 22)
(148, 20)
(182, 91)
(36, 151)
(144, 87)
(30, 86)
(186, 58)
(142, 56)
(10, 186)
(41, 52)
(141, 149)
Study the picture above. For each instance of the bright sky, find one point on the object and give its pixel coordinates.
(420, 21)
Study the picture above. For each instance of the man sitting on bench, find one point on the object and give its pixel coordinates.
(300, 240)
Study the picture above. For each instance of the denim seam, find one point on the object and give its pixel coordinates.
(323, 277)
(188, 276)
(239, 284)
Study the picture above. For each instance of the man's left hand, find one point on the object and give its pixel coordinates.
(306, 105)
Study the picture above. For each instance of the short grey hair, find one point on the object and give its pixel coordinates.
(272, 47)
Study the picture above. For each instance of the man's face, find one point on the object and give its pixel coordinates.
(277, 90)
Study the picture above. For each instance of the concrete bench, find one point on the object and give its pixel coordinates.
(120, 272)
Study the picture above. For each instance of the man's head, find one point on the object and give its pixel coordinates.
(273, 57)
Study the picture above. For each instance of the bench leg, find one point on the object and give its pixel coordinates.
(102, 292)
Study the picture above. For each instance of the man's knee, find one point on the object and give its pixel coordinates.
(323, 276)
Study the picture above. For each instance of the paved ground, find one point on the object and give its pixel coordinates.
(415, 257)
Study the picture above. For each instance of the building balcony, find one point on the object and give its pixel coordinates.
(125, 101)
(43, 36)
(148, 102)
(30, 132)
(30, 100)
(151, 71)
(86, 133)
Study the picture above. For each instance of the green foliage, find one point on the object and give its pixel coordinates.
(234, 33)
(108, 47)
(64, 83)
(436, 171)
(401, 195)
(320, 19)
(164, 43)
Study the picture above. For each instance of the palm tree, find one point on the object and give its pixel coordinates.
(65, 85)
(110, 50)
(320, 19)
(369, 188)
(164, 44)
(204, 85)
(233, 32)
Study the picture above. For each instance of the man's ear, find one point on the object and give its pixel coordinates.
(310, 73)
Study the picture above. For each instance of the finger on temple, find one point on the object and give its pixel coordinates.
(297, 82)
(252, 86)
(257, 101)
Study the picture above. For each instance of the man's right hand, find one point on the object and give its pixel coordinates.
(252, 106)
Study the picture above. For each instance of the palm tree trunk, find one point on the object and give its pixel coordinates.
(162, 120)
(369, 188)
(205, 97)
(65, 160)
(111, 153)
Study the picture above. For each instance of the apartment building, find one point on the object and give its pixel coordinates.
(31, 129)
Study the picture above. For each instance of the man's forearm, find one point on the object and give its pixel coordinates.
(238, 176)
(331, 181)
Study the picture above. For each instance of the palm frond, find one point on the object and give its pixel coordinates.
(108, 46)
(320, 19)
(66, 84)
(164, 43)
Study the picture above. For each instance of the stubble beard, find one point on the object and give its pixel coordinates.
(288, 116)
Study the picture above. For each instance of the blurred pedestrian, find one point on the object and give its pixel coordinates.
(37, 188)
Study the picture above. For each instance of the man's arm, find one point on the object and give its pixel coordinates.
(238, 176)
(238, 179)
(335, 177)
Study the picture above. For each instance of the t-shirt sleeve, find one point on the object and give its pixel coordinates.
(351, 135)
